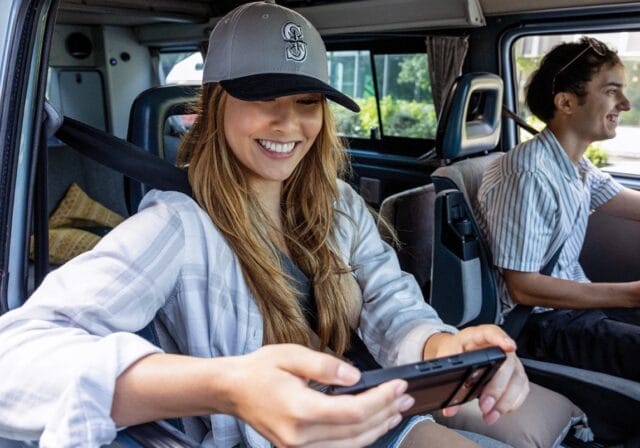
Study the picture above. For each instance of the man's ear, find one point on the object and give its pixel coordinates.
(565, 102)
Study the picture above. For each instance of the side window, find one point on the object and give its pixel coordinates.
(406, 103)
(403, 106)
(351, 73)
(181, 68)
(620, 155)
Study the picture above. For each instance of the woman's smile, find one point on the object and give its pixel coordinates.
(277, 149)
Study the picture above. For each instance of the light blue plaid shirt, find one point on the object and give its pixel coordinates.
(61, 352)
(534, 199)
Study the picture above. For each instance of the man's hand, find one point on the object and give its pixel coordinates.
(269, 390)
(507, 389)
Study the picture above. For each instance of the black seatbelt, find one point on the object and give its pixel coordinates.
(517, 317)
(519, 121)
(123, 157)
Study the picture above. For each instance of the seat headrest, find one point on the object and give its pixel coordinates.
(470, 119)
(152, 107)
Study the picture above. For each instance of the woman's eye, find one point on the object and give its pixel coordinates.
(309, 101)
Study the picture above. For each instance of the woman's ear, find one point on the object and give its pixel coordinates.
(565, 102)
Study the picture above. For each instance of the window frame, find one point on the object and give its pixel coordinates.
(173, 49)
(622, 21)
(23, 82)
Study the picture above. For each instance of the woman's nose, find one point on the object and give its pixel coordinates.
(284, 112)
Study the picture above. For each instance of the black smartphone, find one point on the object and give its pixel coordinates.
(436, 383)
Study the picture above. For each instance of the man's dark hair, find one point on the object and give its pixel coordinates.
(568, 67)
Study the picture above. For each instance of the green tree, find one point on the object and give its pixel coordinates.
(598, 156)
(414, 69)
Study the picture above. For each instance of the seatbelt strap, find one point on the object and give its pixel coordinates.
(123, 157)
(519, 121)
(517, 317)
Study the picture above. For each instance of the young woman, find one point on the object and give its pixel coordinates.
(235, 277)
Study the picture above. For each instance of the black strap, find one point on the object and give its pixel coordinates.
(519, 121)
(517, 317)
(123, 157)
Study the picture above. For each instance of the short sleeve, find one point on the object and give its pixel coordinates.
(603, 187)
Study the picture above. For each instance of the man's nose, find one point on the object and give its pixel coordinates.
(624, 103)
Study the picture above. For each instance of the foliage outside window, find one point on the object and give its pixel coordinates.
(406, 103)
(620, 154)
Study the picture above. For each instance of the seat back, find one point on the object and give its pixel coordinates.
(150, 113)
(463, 288)
(410, 214)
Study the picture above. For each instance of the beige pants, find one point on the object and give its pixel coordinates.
(429, 434)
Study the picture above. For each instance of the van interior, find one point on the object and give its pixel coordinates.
(131, 69)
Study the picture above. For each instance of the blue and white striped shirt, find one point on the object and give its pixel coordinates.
(61, 352)
(534, 199)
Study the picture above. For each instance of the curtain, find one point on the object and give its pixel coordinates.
(445, 55)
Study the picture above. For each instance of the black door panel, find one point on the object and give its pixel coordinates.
(377, 175)
(611, 252)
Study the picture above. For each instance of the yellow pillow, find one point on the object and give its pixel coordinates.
(77, 209)
(66, 243)
(75, 212)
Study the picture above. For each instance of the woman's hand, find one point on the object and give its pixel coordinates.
(507, 389)
(269, 390)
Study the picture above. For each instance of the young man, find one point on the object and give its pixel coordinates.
(536, 200)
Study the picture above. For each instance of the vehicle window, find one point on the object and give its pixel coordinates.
(403, 88)
(406, 103)
(621, 154)
(181, 68)
(351, 73)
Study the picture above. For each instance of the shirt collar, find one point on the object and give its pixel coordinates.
(564, 163)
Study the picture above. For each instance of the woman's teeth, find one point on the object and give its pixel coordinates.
(277, 147)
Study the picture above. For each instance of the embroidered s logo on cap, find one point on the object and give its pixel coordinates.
(296, 49)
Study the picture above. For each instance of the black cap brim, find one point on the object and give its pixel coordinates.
(273, 85)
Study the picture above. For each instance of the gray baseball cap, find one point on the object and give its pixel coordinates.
(263, 51)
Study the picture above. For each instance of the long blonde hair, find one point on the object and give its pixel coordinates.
(308, 199)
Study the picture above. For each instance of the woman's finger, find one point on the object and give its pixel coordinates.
(516, 391)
